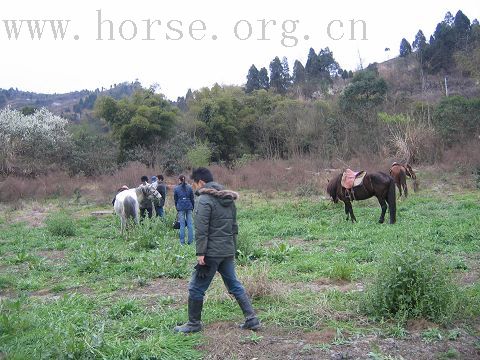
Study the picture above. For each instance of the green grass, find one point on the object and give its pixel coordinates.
(299, 243)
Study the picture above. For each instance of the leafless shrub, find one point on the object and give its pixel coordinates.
(415, 142)
(274, 175)
(257, 284)
(14, 188)
(129, 175)
(463, 158)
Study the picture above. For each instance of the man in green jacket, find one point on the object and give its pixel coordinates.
(216, 230)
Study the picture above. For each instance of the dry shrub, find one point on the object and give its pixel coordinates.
(274, 175)
(129, 175)
(302, 176)
(414, 143)
(464, 158)
(256, 282)
(14, 188)
(60, 184)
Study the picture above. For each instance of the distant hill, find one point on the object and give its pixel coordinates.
(69, 105)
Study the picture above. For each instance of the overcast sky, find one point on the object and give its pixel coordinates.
(82, 61)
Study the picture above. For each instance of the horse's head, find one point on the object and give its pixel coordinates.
(409, 171)
(150, 192)
(332, 188)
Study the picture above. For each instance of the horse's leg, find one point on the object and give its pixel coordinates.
(347, 211)
(350, 210)
(383, 205)
(405, 189)
(399, 190)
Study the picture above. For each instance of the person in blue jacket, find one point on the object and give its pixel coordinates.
(184, 203)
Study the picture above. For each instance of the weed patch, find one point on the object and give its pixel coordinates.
(412, 282)
(60, 224)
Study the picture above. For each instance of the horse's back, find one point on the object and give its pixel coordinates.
(380, 177)
(123, 194)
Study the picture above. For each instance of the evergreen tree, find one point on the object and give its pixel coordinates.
(286, 73)
(327, 63)
(449, 19)
(475, 22)
(189, 95)
(350, 74)
(461, 22)
(405, 48)
(276, 76)
(319, 70)
(312, 67)
(462, 29)
(298, 75)
(181, 103)
(442, 44)
(420, 41)
(253, 80)
(263, 78)
(344, 74)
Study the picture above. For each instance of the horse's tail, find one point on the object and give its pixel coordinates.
(391, 199)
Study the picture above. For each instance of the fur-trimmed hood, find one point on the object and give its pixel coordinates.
(224, 196)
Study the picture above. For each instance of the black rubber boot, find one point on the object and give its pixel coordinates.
(251, 320)
(194, 323)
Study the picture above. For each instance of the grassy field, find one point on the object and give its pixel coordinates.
(72, 287)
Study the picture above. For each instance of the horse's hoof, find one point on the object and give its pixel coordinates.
(381, 221)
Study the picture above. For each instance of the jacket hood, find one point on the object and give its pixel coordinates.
(225, 197)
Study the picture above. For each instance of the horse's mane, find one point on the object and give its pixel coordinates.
(332, 187)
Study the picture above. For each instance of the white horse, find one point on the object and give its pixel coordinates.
(127, 202)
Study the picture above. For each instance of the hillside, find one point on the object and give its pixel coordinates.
(69, 105)
(404, 78)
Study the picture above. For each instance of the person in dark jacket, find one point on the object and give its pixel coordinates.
(216, 230)
(158, 182)
(146, 204)
(184, 203)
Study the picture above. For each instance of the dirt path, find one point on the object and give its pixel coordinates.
(224, 340)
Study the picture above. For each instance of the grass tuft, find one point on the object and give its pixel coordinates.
(60, 224)
(412, 282)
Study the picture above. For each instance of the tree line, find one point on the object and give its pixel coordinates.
(316, 76)
(454, 35)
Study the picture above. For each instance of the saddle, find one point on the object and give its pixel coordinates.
(351, 179)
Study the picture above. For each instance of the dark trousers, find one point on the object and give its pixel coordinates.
(148, 210)
(226, 267)
(159, 211)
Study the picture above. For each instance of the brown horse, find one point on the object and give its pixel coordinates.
(374, 184)
(399, 173)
